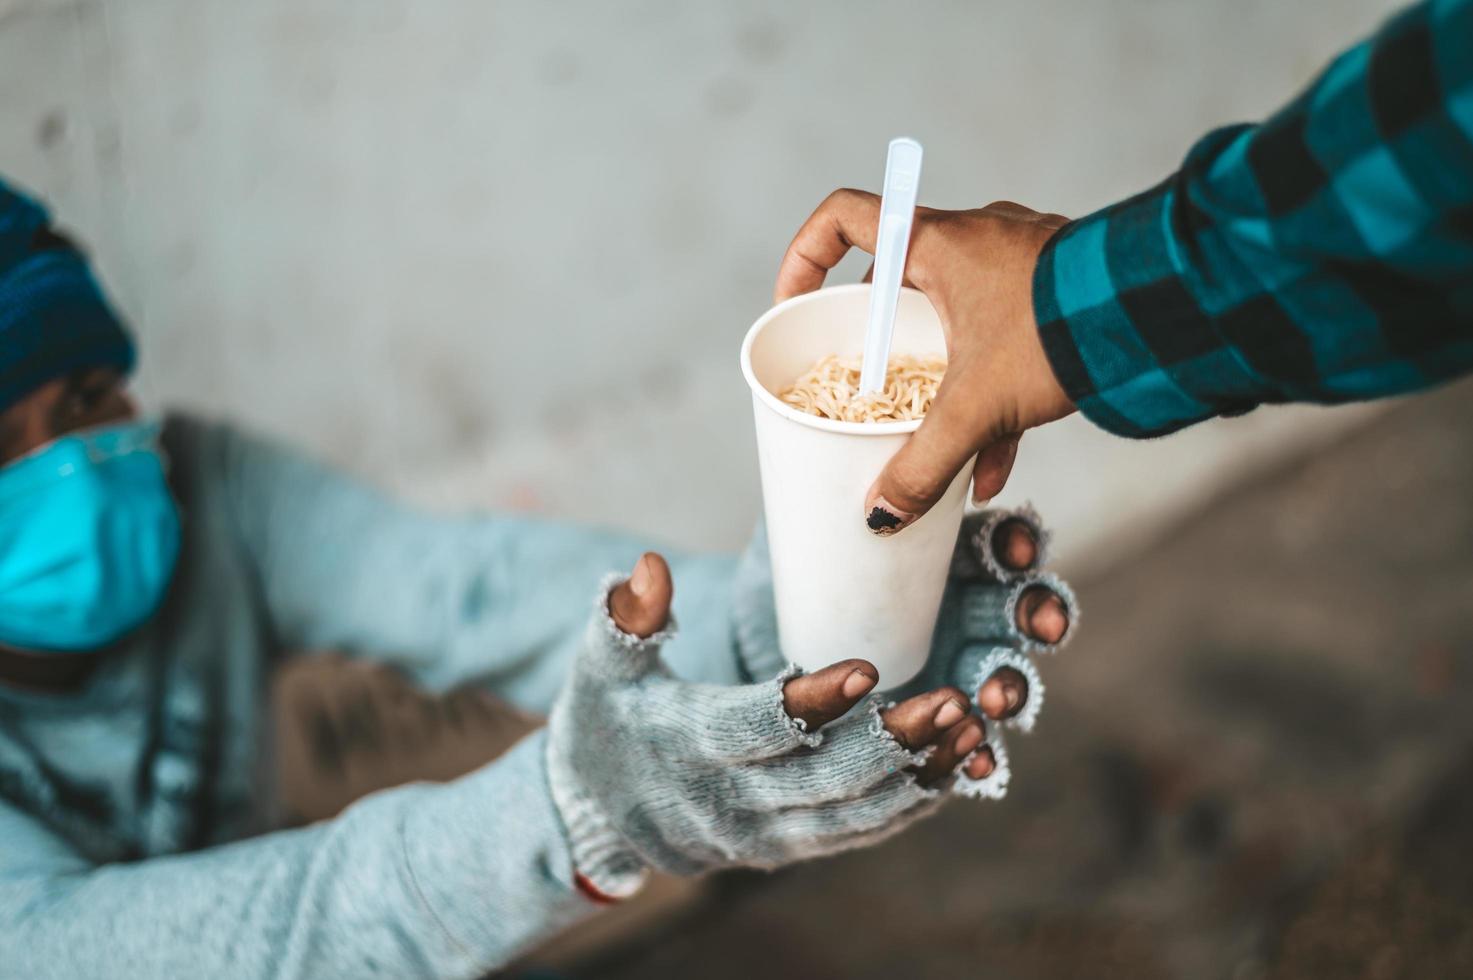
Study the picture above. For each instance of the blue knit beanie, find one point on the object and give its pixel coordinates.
(53, 317)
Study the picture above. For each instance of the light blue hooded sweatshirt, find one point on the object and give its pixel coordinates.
(135, 813)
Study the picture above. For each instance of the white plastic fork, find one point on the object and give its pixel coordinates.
(892, 241)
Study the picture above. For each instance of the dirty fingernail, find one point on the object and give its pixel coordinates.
(885, 518)
(949, 714)
(857, 683)
(968, 740)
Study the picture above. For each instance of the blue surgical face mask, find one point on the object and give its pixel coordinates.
(89, 535)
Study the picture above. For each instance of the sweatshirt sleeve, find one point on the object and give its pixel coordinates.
(496, 600)
(1324, 255)
(444, 880)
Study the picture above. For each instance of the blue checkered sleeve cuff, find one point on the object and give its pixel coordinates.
(1324, 255)
(1127, 339)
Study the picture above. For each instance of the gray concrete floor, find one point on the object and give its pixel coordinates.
(1257, 762)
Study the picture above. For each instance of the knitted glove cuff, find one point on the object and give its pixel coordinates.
(991, 613)
(995, 785)
(1060, 588)
(874, 708)
(628, 641)
(976, 665)
(986, 554)
(599, 852)
(636, 655)
(798, 726)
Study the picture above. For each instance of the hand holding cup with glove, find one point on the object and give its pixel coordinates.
(649, 771)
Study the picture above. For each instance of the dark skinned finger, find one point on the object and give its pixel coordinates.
(1042, 615)
(1014, 545)
(846, 219)
(1003, 694)
(982, 764)
(916, 722)
(818, 698)
(925, 464)
(640, 605)
(951, 749)
(993, 467)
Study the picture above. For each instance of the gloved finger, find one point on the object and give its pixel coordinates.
(640, 605)
(856, 752)
(916, 722)
(1042, 615)
(1011, 544)
(893, 804)
(1037, 613)
(730, 723)
(835, 771)
(1003, 694)
(818, 698)
(629, 626)
(1014, 546)
(1005, 683)
(993, 467)
(986, 774)
(981, 764)
(954, 746)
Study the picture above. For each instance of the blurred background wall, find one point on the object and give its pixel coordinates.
(502, 254)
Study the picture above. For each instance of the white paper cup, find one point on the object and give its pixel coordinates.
(842, 591)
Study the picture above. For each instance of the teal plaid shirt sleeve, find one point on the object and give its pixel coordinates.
(1324, 255)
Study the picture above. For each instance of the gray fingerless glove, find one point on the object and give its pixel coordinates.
(651, 771)
(976, 628)
(977, 631)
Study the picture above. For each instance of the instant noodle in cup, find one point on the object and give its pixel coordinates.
(841, 591)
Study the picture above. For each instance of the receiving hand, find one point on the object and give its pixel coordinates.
(976, 267)
(651, 771)
(1000, 608)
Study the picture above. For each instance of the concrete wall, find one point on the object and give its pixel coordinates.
(503, 253)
